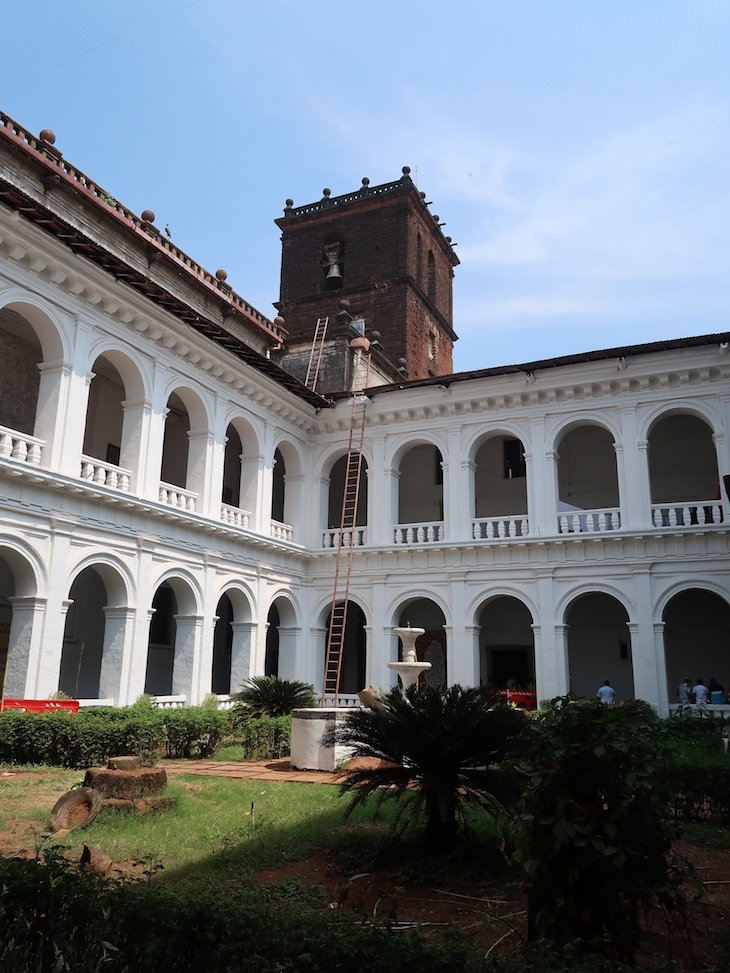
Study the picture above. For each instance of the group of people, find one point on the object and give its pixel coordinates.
(701, 694)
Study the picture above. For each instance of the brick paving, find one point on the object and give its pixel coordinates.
(271, 770)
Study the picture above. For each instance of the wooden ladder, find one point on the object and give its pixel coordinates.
(315, 355)
(346, 541)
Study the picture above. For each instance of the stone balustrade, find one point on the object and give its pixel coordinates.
(175, 496)
(20, 446)
(589, 521)
(355, 537)
(499, 528)
(235, 516)
(169, 702)
(699, 513)
(418, 533)
(281, 532)
(104, 474)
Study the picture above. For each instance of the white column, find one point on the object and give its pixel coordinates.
(456, 515)
(390, 504)
(244, 637)
(293, 491)
(317, 640)
(542, 483)
(24, 646)
(47, 674)
(320, 505)
(199, 473)
(137, 669)
(380, 523)
(135, 430)
(116, 654)
(723, 468)
(561, 672)
(539, 656)
(288, 661)
(660, 656)
(205, 667)
(648, 673)
(252, 487)
(472, 660)
(216, 457)
(51, 411)
(468, 497)
(186, 667)
(633, 475)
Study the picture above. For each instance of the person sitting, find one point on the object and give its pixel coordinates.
(700, 691)
(606, 693)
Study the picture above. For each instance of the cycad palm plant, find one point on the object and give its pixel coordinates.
(439, 753)
(272, 696)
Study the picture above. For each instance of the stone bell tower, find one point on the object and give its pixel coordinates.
(381, 251)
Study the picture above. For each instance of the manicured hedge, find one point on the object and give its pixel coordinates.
(91, 736)
(264, 737)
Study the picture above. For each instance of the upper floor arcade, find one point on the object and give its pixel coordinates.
(94, 410)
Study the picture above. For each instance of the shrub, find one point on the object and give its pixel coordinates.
(265, 737)
(53, 919)
(272, 696)
(193, 731)
(443, 743)
(593, 828)
(92, 736)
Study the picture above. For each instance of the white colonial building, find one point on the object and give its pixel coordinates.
(170, 497)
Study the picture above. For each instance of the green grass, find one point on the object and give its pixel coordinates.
(232, 751)
(706, 835)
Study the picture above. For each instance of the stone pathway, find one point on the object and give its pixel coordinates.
(271, 770)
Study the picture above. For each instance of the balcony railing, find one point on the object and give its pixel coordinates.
(235, 516)
(19, 446)
(175, 496)
(105, 474)
(695, 514)
(169, 702)
(340, 701)
(589, 521)
(499, 528)
(281, 532)
(418, 533)
(354, 537)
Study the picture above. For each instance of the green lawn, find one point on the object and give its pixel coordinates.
(209, 837)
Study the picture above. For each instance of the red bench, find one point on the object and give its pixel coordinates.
(40, 705)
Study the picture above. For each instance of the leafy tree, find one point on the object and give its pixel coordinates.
(439, 753)
(593, 828)
(272, 696)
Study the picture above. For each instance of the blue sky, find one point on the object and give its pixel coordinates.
(577, 150)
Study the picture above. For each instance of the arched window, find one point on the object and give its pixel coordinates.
(333, 265)
(431, 277)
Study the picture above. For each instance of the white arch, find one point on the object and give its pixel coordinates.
(284, 594)
(592, 588)
(117, 578)
(187, 589)
(326, 458)
(427, 593)
(241, 597)
(480, 602)
(134, 372)
(44, 318)
(198, 404)
(27, 567)
(561, 425)
(324, 606)
(478, 435)
(700, 409)
(687, 584)
(403, 443)
(242, 420)
(291, 453)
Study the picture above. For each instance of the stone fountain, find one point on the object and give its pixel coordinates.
(410, 668)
